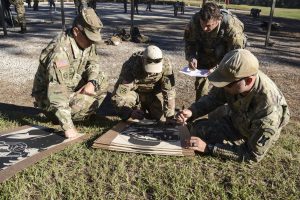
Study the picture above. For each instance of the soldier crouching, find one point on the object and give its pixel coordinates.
(257, 111)
(68, 84)
(146, 87)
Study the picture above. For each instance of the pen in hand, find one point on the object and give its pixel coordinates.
(183, 120)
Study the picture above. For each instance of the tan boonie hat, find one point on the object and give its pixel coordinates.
(235, 65)
(153, 59)
(91, 24)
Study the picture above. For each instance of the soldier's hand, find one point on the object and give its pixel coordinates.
(183, 116)
(88, 89)
(193, 63)
(197, 144)
(137, 114)
(71, 133)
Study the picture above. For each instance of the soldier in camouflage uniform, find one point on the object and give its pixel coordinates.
(145, 87)
(210, 34)
(69, 84)
(36, 5)
(79, 4)
(258, 111)
(20, 10)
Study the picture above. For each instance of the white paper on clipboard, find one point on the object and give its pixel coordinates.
(195, 73)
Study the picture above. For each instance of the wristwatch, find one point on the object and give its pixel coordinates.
(209, 148)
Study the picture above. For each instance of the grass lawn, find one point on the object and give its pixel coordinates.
(279, 12)
(80, 172)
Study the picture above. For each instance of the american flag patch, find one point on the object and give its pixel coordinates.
(62, 63)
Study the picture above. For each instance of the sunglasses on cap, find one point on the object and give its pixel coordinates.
(149, 74)
(149, 60)
(230, 85)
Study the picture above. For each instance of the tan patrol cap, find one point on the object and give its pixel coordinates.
(236, 64)
(91, 24)
(153, 59)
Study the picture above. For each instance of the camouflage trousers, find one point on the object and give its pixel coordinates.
(35, 5)
(201, 87)
(151, 103)
(81, 106)
(20, 9)
(140, 39)
(206, 60)
(79, 4)
(228, 141)
(219, 131)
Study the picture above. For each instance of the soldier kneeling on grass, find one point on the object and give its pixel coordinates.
(258, 111)
(69, 84)
(146, 87)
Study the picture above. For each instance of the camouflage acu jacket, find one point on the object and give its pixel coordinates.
(16, 2)
(209, 48)
(63, 66)
(134, 78)
(258, 117)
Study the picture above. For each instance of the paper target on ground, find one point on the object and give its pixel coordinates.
(25, 146)
(147, 137)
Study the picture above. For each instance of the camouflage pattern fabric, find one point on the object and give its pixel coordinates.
(89, 3)
(136, 6)
(28, 3)
(64, 69)
(176, 6)
(79, 4)
(141, 39)
(52, 4)
(35, 5)
(252, 126)
(201, 87)
(92, 4)
(125, 6)
(182, 7)
(137, 37)
(118, 37)
(121, 33)
(154, 93)
(7, 13)
(114, 40)
(209, 48)
(20, 10)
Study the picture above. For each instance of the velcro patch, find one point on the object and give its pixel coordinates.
(62, 63)
(122, 90)
(125, 82)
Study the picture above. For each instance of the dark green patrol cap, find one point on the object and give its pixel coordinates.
(91, 24)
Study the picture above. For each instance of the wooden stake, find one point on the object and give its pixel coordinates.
(270, 23)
